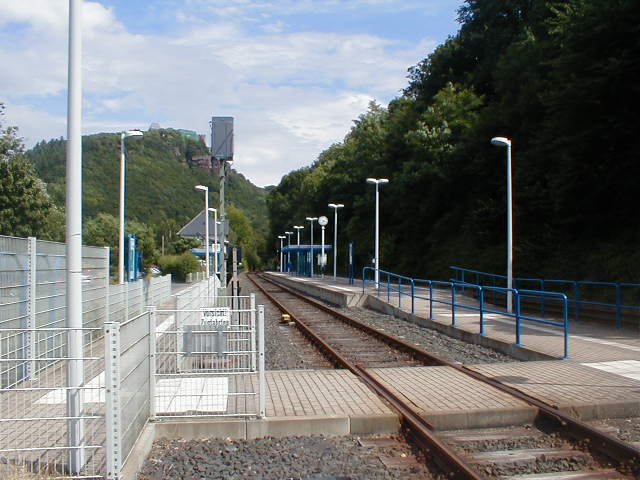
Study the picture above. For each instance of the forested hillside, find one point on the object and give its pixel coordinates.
(559, 78)
(160, 180)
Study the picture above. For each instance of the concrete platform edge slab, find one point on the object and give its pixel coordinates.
(339, 298)
(490, 418)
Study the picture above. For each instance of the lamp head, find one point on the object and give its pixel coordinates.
(214, 210)
(281, 237)
(501, 142)
(312, 219)
(204, 188)
(298, 227)
(288, 233)
(377, 181)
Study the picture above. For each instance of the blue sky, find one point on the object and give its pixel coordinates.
(293, 73)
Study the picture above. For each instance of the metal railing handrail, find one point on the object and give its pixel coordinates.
(577, 301)
(481, 308)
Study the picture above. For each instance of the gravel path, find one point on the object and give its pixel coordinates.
(442, 345)
(312, 458)
(286, 348)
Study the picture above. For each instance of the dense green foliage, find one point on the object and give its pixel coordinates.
(179, 265)
(25, 206)
(160, 193)
(560, 78)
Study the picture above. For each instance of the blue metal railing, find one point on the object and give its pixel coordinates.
(417, 288)
(574, 289)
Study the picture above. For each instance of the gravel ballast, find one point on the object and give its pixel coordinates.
(432, 341)
(313, 458)
(286, 348)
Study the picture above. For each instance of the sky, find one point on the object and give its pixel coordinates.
(294, 74)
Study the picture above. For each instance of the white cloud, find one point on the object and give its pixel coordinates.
(292, 94)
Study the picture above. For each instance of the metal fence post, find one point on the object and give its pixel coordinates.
(481, 295)
(453, 304)
(430, 300)
(618, 306)
(252, 317)
(413, 297)
(566, 326)
(30, 343)
(112, 399)
(261, 373)
(518, 321)
(152, 361)
(576, 296)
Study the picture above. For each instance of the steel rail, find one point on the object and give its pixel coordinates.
(606, 444)
(418, 427)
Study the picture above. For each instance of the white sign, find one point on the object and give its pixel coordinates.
(213, 317)
(323, 221)
(322, 260)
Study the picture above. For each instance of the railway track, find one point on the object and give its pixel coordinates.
(556, 443)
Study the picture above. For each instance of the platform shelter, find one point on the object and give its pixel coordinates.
(297, 259)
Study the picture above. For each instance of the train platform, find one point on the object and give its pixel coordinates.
(597, 345)
(601, 377)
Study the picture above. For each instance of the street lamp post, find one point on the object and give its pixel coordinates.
(335, 207)
(123, 135)
(215, 240)
(281, 237)
(377, 182)
(323, 221)
(298, 228)
(288, 234)
(311, 220)
(505, 142)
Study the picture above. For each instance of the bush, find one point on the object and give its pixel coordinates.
(179, 265)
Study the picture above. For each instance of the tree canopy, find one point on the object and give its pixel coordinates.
(559, 78)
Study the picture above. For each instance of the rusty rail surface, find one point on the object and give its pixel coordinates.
(606, 444)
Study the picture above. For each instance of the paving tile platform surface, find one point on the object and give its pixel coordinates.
(583, 390)
(293, 393)
(450, 399)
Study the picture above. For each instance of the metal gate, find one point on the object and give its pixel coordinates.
(209, 360)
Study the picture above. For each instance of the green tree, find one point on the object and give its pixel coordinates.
(25, 206)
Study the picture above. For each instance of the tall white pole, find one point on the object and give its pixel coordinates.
(122, 200)
(335, 207)
(298, 257)
(377, 252)
(75, 367)
(215, 242)
(289, 249)
(223, 218)
(311, 248)
(298, 228)
(322, 254)
(311, 220)
(206, 231)
(509, 232)
(281, 240)
(505, 142)
(335, 242)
